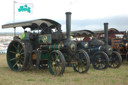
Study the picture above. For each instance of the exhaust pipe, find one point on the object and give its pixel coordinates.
(106, 33)
(68, 24)
(108, 48)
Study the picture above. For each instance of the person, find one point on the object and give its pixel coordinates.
(89, 38)
(23, 35)
(125, 37)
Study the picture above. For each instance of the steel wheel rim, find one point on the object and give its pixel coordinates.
(55, 63)
(114, 61)
(99, 61)
(81, 63)
(15, 56)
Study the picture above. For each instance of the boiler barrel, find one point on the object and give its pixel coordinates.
(56, 46)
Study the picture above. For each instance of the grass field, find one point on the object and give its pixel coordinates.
(43, 77)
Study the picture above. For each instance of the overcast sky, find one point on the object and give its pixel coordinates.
(86, 14)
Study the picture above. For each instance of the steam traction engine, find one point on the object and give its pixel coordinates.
(94, 47)
(121, 45)
(101, 54)
(45, 46)
(115, 59)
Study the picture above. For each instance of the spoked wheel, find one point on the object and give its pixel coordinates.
(17, 58)
(56, 63)
(82, 61)
(115, 60)
(100, 60)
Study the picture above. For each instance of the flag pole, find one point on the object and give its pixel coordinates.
(13, 11)
(14, 16)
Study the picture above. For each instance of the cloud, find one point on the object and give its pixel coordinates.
(118, 22)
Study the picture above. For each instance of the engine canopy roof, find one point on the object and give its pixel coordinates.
(82, 33)
(34, 24)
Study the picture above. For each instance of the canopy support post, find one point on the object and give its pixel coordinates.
(14, 31)
(14, 11)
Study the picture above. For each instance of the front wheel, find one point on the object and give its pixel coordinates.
(100, 60)
(115, 60)
(82, 61)
(56, 63)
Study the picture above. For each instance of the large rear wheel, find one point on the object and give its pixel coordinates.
(100, 60)
(17, 55)
(82, 61)
(56, 63)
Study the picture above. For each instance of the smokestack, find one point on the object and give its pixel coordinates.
(106, 33)
(68, 24)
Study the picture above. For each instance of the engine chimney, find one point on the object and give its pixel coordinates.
(68, 24)
(106, 33)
